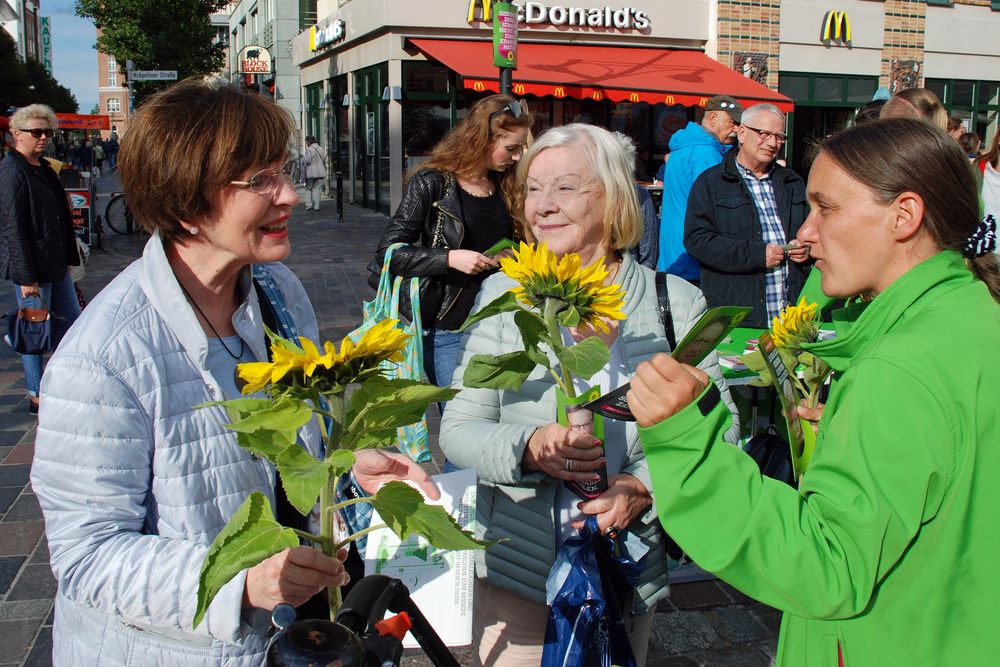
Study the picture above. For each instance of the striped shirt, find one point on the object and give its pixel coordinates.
(775, 279)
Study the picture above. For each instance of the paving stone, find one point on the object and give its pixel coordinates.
(25, 609)
(16, 475)
(731, 657)
(41, 554)
(683, 631)
(9, 567)
(19, 538)
(672, 661)
(697, 595)
(736, 624)
(17, 638)
(22, 453)
(41, 650)
(25, 508)
(35, 583)
(7, 496)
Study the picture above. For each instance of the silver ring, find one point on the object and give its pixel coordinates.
(570, 465)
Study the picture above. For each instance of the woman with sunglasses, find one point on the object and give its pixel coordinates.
(455, 206)
(38, 244)
(134, 478)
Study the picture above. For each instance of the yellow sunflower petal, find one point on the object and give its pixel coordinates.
(256, 374)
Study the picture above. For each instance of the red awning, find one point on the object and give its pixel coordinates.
(617, 73)
(79, 121)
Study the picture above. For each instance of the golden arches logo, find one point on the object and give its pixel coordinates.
(487, 10)
(633, 97)
(519, 89)
(597, 96)
(837, 27)
(669, 99)
(559, 91)
(702, 102)
(478, 86)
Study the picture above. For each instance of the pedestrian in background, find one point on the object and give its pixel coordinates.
(456, 205)
(37, 242)
(315, 172)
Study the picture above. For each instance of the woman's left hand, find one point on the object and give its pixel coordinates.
(375, 467)
(625, 499)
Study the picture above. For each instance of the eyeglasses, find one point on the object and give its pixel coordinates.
(765, 135)
(265, 182)
(37, 132)
(515, 109)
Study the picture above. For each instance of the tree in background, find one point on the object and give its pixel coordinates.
(23, 83)
(138, 30)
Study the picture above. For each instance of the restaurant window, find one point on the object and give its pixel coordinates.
(419, 77)
(795, 87)
(975, 102)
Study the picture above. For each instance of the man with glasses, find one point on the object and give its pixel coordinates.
(742, 219)
(692, 150)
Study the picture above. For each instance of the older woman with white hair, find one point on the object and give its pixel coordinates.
(37, 243)
(579, 197)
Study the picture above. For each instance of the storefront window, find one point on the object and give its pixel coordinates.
(961, 92)
(976, 102)
(585, 111)
(828, 89)
(795, 87)
(541, 114)
(424, 124)
(938, 87)
(988, 92)
(425, 78)
(860, 90)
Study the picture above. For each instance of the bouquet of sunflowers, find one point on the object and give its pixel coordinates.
(302, 384)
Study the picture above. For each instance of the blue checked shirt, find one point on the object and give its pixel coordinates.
(775, 279)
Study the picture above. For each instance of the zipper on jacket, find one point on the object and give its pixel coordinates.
(461, 228)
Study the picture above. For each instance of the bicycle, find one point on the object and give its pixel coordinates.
(118, 217)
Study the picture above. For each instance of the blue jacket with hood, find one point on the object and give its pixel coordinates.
(692, 151)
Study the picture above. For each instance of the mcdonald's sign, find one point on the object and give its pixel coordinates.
(837, 27)
(487, 14)
(478, 86)
(559, 91)
(669, 99)
(702, 102)
(597, 95)
(633, 97)
(519, 89)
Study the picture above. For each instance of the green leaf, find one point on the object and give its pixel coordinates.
(506, 371)
(533, 332)
(504, 303)
(569, 316)
(266, 444)
(285, 414)
(303, 476)
(251, 536)
(382, 406)
(585, 358)
(403, 509)
(340, 461)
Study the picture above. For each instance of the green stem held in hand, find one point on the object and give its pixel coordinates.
(549, 314)
(328, 498)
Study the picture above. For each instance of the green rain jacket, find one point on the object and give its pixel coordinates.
(890, 549)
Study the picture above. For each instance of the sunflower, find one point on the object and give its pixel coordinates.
(285, 358)
(585, 300)
(795, 325)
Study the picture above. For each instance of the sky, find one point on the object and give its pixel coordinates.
(74, 59)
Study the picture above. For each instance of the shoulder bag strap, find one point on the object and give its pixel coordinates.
(666, 317)
(272, 305)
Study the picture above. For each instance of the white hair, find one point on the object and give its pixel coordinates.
(756, 110)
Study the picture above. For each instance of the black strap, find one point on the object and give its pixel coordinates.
(267, 313)
(666, 318)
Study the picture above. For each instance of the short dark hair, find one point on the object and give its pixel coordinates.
(187, 142)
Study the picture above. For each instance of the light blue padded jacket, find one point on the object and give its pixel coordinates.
(488, 430)
(135, 482)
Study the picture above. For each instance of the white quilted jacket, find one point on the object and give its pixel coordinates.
(135, 483)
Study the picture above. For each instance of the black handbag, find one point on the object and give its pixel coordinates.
(29, 331)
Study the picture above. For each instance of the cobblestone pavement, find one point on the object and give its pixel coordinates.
(703, 623)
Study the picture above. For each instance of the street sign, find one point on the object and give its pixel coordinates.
(153, 75)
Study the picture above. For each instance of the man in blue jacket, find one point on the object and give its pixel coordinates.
(692, 150)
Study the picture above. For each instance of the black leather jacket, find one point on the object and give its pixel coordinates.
(37, 241)
(430, 207)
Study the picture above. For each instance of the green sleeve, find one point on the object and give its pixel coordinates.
(880, 470)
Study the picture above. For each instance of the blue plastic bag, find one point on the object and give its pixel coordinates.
(585, 626)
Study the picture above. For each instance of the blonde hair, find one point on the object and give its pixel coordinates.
(922, 104)
(34, 111)
(612, 157)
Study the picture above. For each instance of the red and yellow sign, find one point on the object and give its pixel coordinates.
(79, 121)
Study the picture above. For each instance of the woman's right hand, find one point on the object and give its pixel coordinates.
(563, 453)
(470, 262)
(29, 290)
(293, 576)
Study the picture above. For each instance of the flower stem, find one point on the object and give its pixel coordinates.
(328, 498)
(549, 313)
(358, 535)
(309, 537)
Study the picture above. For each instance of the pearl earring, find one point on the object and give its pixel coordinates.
(193, 230)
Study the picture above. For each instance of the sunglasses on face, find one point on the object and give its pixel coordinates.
(515, 109)
(265, 182)
(37, 132)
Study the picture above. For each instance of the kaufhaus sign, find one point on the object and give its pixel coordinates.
(537, 13)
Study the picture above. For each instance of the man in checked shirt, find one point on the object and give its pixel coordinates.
(742, 218)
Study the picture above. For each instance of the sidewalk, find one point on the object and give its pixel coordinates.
(704, 623)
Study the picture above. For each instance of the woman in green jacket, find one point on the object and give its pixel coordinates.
(886, 554)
